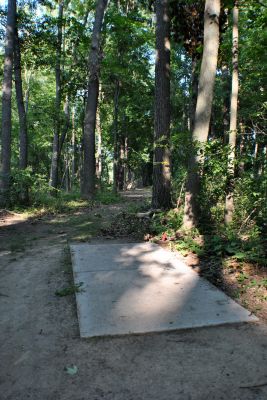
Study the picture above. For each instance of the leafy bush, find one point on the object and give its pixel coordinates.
(168, 222)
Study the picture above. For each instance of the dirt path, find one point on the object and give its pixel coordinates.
(39, 336)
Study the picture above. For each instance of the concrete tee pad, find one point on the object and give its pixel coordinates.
(140, 287)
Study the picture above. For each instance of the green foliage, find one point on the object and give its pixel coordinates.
(106, 195)
(168, 222)
(69, 290)
(189, 244)
(20, 180)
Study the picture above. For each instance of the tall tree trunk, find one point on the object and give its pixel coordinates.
(121, 169)
(73, 145)
(27, 76)
(89, 163)
(115, 137)
(229, 201)
(161, 195)
(99, 146)
(194, 88)
(6, 104)
(23, 132)
(203, 110)
(126, 167)
(55, 150)
(226, 103)
(66, 125)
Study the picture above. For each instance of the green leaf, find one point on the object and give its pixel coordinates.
(72, 370)
(240, 256)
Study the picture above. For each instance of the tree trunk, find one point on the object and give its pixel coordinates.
(126, 167)
(27, 76)
(226, 104)
(99, 147)
(229, 201)
(161, 194)
(73, 145)
(89, 163)
(194, 88)
(55, 150)
(115, 137)
(203, 110)
(66, 125)
(121, 169)
(6, 104)
(23, 137)
(23, 132)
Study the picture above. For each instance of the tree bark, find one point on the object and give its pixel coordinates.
(6, 104)
(203, 110)
(229, 201)
(161, 194)
(55, 149)
(89, 162)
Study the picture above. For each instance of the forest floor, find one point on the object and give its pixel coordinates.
(42, 356)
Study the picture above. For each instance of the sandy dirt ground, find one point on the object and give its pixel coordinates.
(39, 336)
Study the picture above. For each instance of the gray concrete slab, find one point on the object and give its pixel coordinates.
(140, 288)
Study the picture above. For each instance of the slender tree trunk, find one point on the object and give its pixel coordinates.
(23, 132)
(161, 195)
(23, 136)
(89, 166)
(6, 104)
(55, 150)
(121, 168)
(99, 146)
(194, 88)
(115, 137)
(126, 168)
(73, 145)
(27, 76)
(66, 124)
(203, 110)
(226, 103)
(229, 201)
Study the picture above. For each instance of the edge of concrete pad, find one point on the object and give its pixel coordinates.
(235, 325)
(249, 318)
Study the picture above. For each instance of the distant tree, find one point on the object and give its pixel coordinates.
(55, 150)
(229, 201)
(6, 104)
(89, 162)
(115, 136)
(23, 131)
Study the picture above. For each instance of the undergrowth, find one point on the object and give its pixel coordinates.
(43, 202)
(218, 242)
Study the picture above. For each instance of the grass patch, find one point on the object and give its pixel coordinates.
(60, 203)
(69, 290)
(107, 196)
